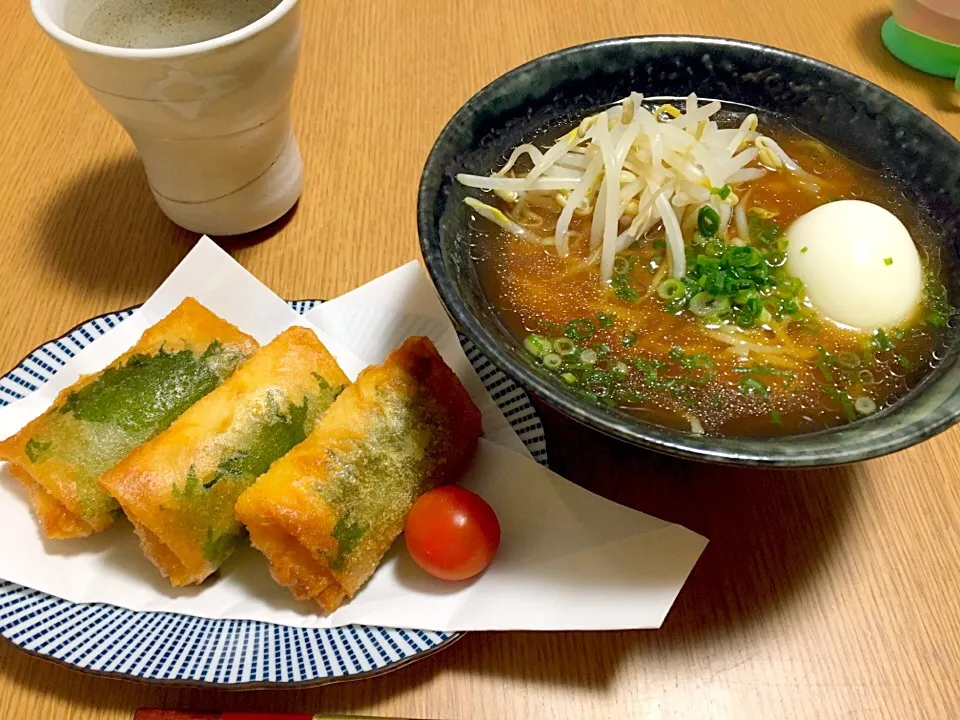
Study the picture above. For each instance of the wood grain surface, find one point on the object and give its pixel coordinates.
(822, 594)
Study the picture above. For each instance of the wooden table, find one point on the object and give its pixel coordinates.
(822, 594)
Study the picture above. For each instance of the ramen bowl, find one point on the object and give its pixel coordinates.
(865, 123)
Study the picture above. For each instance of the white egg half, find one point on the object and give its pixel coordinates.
(858, 262)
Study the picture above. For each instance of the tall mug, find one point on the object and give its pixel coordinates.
(210, 119)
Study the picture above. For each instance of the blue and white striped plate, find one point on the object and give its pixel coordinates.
(182, 649)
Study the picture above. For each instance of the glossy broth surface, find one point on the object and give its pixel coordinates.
(669, 367)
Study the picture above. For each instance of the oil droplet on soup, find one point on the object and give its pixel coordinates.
(628, 344)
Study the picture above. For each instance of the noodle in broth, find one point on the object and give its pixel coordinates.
(626, 342)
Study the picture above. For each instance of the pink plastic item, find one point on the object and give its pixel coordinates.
(938, 19)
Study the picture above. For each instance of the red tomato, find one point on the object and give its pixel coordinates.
(452, 533)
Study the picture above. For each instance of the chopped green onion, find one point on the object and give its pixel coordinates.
(752, 386)
(622, 267)
(671, 289)
(888, 261)
(752, 307)
(881, 341)
(595, 377)
(629, 395)
(903, 361)
(708, 221)
(588, 356)
(826, 359)
(704, 304)
(865, 405)
(743, 257)
(606, 321)
(564, 346)
(845, 404)
(620, 368)
(789, 287)
(848, 360)
(776, 259)
(941, 310)
(828, 376)
(715, 249)
(723, 192)
(749, 281)
(569, 378)
(537, 345)
(552, 361)
(629, 338)
(649, 370)
(776, 419)
(580, 329)
(789, 307)
(705, 263)
(700, 361)
(936, 320)
(804, 249)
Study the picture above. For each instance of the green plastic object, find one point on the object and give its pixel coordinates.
(921, 52)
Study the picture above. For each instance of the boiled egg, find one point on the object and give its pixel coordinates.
(858, 262)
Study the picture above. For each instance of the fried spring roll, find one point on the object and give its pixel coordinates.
(179, 489)
(327, 512)
(95, 422)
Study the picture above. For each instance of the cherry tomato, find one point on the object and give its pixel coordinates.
(452, 533)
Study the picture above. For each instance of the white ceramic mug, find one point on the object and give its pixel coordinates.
(211, 120)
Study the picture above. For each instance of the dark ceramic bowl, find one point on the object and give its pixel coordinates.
(864, 121)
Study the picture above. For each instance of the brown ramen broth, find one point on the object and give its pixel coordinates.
(670, 367)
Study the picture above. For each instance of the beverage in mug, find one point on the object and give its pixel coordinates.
(160, 23)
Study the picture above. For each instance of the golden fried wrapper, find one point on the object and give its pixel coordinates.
(97, 421)
(179, 489)
(327, 512)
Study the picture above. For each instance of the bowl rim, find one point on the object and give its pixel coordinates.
(748, 451)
